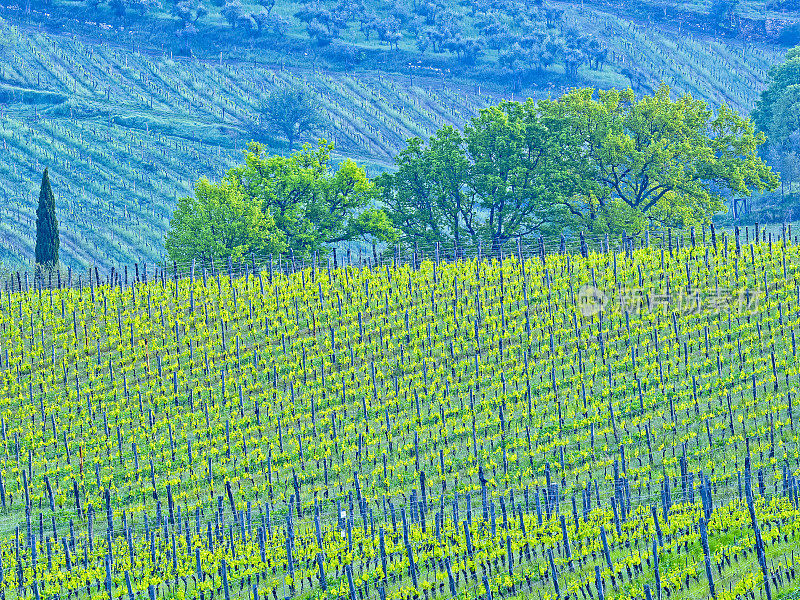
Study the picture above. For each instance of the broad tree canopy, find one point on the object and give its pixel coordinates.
(272, 203)
(667, 161)
(313, 203)
(220, 222)
(596, 160)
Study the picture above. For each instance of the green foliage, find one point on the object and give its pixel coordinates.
(497, 181)
(47, 241)
(322, 25)
(252, 23)
(777, 114)
(514, 170)
(603, 161)
(189, 12)
(427, 196)
(313, 204)
(233, 12)
(667, 160)
(777, 108)
(723, 15)
(219, 222)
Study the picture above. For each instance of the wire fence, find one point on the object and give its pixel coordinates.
(408, 251)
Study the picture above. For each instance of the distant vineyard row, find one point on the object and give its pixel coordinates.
(125, 134)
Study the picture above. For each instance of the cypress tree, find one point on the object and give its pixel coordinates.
(46, 226)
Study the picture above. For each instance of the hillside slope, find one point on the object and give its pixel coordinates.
(409, 431)
(125, 133)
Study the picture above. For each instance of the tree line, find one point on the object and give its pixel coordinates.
(777, 114)
(596, 161)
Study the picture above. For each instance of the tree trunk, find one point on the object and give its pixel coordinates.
(456, 235)
(496, 245)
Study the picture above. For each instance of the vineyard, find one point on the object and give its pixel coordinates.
(126, 132)
(716, 70)
(570, 424)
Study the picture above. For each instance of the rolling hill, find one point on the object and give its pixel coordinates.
(126, 126)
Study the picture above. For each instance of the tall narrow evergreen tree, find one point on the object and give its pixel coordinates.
(46, 226)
